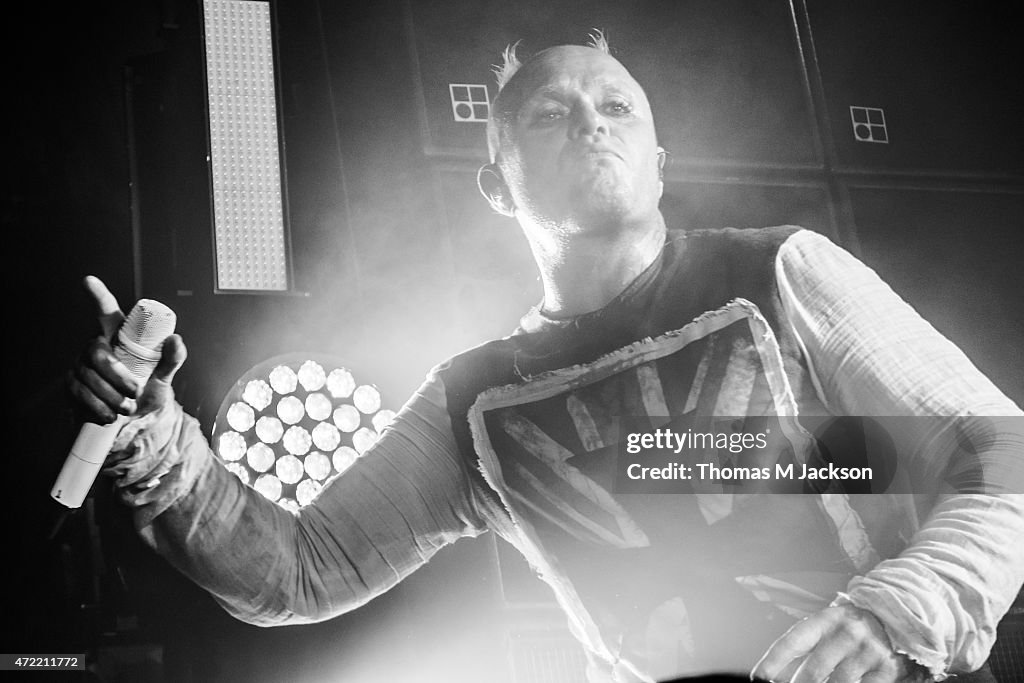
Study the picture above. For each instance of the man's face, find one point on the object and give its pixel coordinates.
(577, 142)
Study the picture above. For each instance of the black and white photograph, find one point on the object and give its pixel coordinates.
(521, 341)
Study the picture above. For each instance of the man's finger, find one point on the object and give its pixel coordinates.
(879, 677)
(848, 671)
(172, 356)
(97, 411)
(104, 391)
(101, 358)
(823, 660)
(158, 390)
(110, 314)
(794, 643)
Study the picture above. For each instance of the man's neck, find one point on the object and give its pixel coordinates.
(583, 271)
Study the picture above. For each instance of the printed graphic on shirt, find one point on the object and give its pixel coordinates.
(548, 446)
(556, 450)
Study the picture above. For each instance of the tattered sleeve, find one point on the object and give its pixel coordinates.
(385, 516)
(871, 354)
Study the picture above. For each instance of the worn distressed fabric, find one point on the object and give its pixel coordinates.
(514, 437)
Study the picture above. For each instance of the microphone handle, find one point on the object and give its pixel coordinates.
(84, 462)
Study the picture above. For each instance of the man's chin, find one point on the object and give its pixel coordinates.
(600, 204)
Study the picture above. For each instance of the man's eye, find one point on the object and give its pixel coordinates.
(548, 115)
(619, 107)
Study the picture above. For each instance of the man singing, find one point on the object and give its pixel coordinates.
(519, 437)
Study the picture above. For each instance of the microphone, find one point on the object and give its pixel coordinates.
(137, 344)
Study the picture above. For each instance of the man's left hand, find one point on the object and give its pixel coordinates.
(838, 644)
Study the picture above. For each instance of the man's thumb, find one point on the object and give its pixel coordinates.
(172, 356)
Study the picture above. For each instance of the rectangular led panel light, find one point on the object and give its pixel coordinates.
(249, 230)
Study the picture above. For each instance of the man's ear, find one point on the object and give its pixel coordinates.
(492, 186)
(662, 159)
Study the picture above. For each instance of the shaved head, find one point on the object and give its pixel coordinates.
(572, 139)
(575, 160)
(515, 78)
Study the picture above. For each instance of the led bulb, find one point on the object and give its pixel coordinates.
(318, 406)
(366, 399)
(383, 419)
(343, 458)
(288, 468)
(306, 491)
(241, 417)
(238, 470)
(317, 465)
(290, 410)
(258, 394)
(269, 429)
(297, 441)
(363, 439)
(231, 446)
(260, 457)
(283, 379)
(269, 486)
(326, 436)
(347, 418)
(311, 375)
(340, 383)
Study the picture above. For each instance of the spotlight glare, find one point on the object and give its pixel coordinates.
(347, 418)
(293, 422)
(367, 399)
(258, 394)
(269, 486)
(269, 429)
(317, 465)
(237, 470)
(260, 457)
(283, 379)
(340, 383)
(290, 410)
(311, 375)
(363, 439)
(318, 406)
(382, 419)
(231, 446)
(241, 417)
(343, 458)
(306, 491)
(288, 468)
(326, 436)
(297, 441)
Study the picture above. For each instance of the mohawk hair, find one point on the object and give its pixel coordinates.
(504, 72)
(510, 62)
(509, 65)
(598, 41)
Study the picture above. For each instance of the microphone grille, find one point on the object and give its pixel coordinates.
(148, 324)
(141, 337)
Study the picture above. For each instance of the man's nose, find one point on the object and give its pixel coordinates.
(587, 121)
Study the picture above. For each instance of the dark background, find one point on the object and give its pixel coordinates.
(397, 262)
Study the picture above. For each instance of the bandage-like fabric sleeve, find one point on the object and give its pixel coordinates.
(871, 354)
(405, 498)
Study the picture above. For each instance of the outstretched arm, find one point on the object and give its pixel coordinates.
(406, 497)
(370, 527)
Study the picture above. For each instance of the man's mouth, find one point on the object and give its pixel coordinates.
(597, 151)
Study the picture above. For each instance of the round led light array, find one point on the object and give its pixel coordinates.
(293, 422)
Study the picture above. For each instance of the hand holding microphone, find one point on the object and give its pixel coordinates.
(110, 379)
